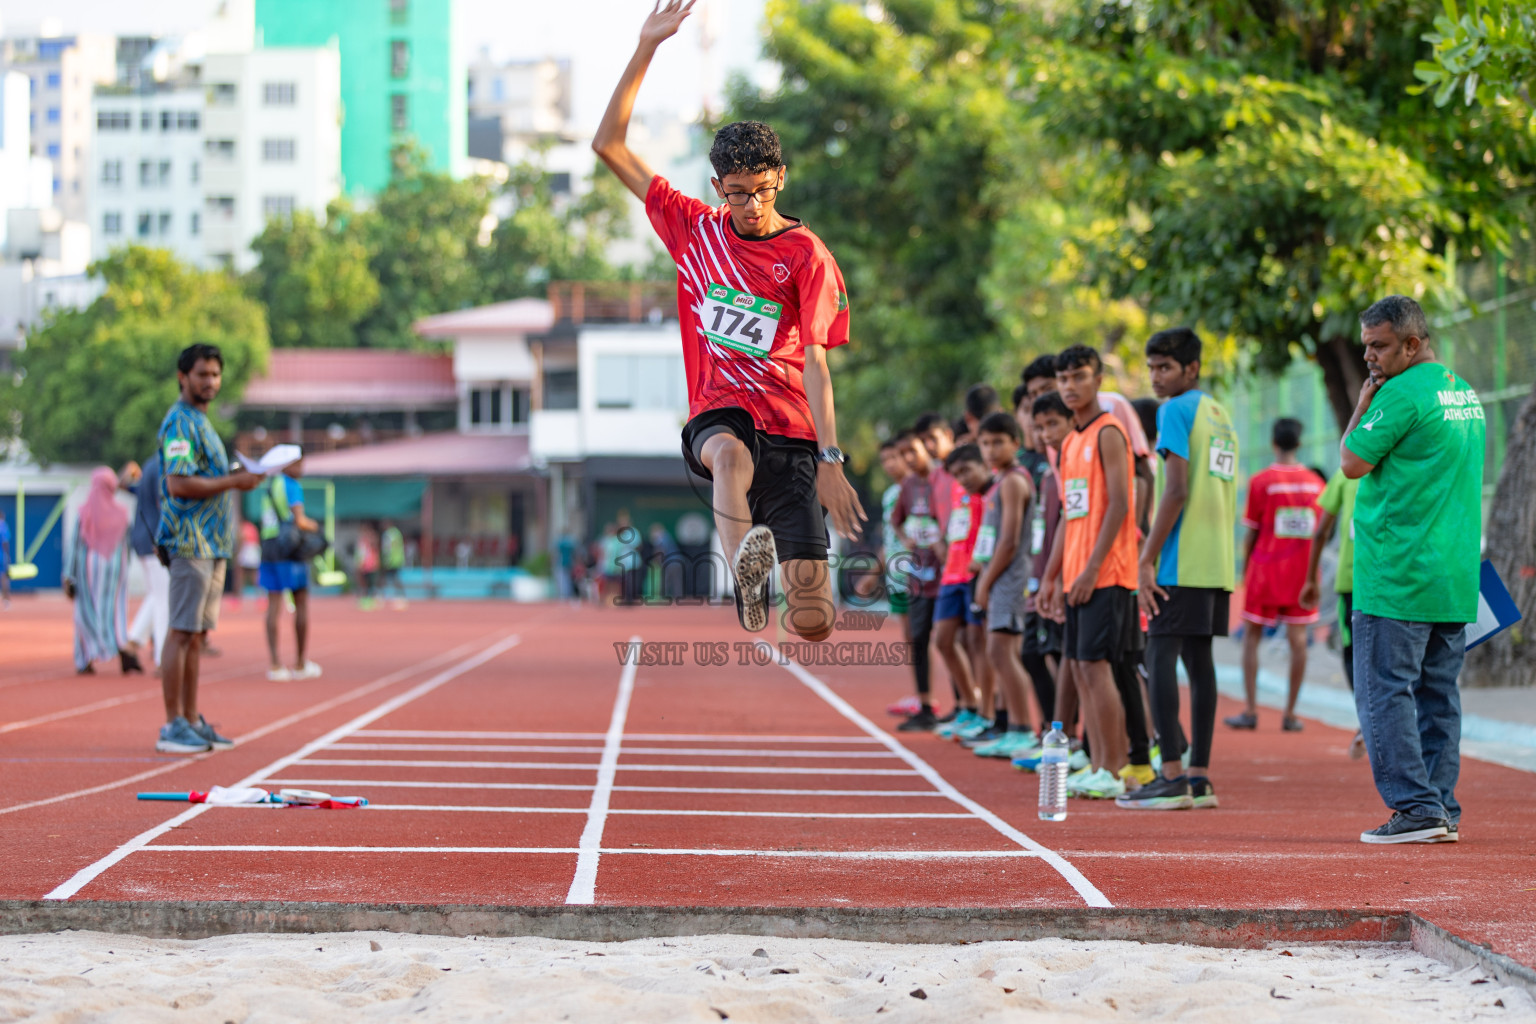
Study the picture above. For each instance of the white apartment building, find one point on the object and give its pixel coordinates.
(147, 170)
(25, 180)
(63, 71)
(272, 143)
(531, 97)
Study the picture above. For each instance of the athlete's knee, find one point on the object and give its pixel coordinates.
(725, 454)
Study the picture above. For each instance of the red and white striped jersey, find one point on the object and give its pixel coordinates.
(748, 307)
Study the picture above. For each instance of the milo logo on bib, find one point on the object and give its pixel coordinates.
(739, 321)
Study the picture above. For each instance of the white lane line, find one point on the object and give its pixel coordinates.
(1075, 878)
(497, 809)
(766, 854)
(87, 874)
(312, 710)
(541, 786)
(584, 882)
(556, 766)
(492, 748)
(646, 737)
(386, 784)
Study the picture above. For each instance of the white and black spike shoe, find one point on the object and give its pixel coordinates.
(752, 568)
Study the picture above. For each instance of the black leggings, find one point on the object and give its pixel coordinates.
(1347, 652)
(1045, 686)
(919, 632)
(1163, 653)
(1124, 672)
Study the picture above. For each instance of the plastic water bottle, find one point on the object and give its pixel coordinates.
(1055, 754)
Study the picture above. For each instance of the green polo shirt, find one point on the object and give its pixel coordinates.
(1418, 514)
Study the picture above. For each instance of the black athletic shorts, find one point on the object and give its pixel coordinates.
(1104, 629)
(783, 492)
(1191, 611)
(1041, 635)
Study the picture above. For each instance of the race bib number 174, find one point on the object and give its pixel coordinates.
(740, 321)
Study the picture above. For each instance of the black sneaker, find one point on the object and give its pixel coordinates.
(1408, 828)
(752, 569)
(923, 721)
(1246, 720)
(1200, 789)
(1159, 795)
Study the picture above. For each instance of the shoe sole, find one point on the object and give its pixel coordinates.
(755, 560)
(1206, 802)
(1423, 835)
(169, 747)
(1449, 837)
(222, 744)
(1162, 803)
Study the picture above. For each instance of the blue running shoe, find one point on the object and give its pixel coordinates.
(177, 737)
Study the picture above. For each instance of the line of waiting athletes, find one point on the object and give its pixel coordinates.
(1062, 568)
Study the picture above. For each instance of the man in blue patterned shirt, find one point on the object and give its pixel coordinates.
(193, 542)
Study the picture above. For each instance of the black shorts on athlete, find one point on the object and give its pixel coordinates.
(1106, 628)
(1191, 611)
(1041, 635)
(783, 492)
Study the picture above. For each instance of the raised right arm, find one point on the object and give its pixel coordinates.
(609, 142)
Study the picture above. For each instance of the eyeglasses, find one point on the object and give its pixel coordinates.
(764, 196)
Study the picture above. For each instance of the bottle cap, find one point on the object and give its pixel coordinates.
(1056, 726)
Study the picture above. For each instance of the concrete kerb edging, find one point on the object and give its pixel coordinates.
(1245, 929)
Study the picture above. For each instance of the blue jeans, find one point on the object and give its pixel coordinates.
(1410, 710)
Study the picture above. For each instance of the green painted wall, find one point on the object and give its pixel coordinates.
(366, 30)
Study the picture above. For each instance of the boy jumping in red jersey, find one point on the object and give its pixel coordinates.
(761, 300)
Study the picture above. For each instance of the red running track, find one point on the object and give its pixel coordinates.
(510, 758)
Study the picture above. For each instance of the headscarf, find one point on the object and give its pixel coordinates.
(102, 520)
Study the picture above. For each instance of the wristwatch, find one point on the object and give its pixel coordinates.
(834, 456)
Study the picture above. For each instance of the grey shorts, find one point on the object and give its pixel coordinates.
(1005, 610)
(197, 584)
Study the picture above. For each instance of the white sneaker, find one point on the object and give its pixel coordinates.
(279, 675)
(309, 671)
(1103, 784)
(1076, 778)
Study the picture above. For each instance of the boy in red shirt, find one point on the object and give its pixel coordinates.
(953, 612)
(760, 300)
(1281, 515)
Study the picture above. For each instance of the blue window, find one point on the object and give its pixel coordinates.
(53, 79)
(53, 115)
(53, 151)
(53, 49)
(57, 186)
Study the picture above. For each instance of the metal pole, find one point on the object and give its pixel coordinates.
(1500, 366)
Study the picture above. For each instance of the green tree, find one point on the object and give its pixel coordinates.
(313, 277)
(1268, 172)
(1485, 55)
(1490, 54)
(92, 385)
(546, 240)
(423, 236)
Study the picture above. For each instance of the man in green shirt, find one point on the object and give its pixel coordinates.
(1337, 505)
(1416, 444)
